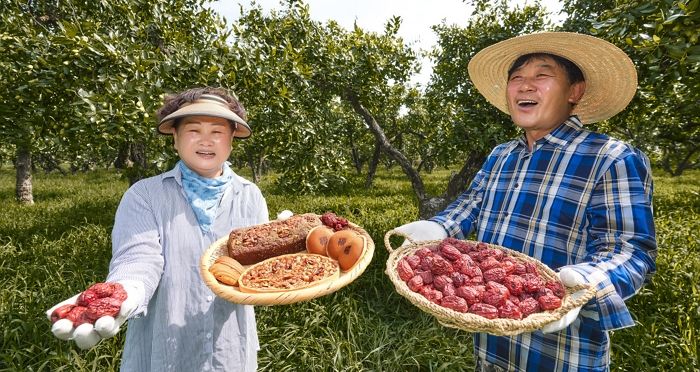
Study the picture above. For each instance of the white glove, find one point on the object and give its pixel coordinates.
(422, 230)
(88, 335)
(284, 215)
(570, 278)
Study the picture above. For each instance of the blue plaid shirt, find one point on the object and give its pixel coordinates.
(578, 199)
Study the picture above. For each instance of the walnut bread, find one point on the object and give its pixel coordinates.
(257, 243)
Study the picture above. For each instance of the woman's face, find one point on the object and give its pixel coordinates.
(204, 143)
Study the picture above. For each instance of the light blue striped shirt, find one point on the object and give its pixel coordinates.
(182, 325)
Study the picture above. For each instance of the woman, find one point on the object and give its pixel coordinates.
(162, 226)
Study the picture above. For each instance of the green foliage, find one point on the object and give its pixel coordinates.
(303, 69)
(661, 37)
(81, 79)
(465, 122)
(48, 252)
(61, 245)
(667, 311)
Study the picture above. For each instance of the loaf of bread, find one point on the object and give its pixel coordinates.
(257, 243)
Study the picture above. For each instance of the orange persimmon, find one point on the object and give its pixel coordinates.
(317, 239)
(339, 240)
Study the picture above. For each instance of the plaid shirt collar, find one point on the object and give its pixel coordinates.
(559, 137)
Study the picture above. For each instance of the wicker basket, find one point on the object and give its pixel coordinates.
(472, 322)
(233, 294)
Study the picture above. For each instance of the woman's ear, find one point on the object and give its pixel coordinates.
(175, 138)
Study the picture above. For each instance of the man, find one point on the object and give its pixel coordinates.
(576, 200)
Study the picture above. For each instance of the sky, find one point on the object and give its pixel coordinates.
(371, 15)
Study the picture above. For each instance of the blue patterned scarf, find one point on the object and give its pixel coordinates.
(204, 193)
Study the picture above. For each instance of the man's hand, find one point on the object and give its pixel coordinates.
(422, 230)
(570, 278)
(87, 334)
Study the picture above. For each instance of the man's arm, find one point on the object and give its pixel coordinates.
(621, 249)
(459, 218)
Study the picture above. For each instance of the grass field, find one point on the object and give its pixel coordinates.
(58, 247)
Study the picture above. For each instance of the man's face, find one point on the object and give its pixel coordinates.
(204, 143)
(540, 96)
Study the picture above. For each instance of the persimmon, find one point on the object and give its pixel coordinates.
(342, 239)
(317, 239)
(351, 253)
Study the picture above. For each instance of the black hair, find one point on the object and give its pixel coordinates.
(573, 73)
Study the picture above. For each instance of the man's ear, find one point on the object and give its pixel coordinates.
(576, 92)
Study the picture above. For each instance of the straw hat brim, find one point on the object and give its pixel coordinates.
(611, 78)
(206, 105)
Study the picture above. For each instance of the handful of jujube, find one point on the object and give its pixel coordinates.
(101, 299)
(480, 287)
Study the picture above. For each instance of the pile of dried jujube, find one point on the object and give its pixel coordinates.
(473, 277)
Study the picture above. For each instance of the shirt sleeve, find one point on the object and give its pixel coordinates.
(459, 218)
(263, 213)
(621, 250)
(136, 249)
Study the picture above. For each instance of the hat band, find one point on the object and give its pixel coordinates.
(207, 98)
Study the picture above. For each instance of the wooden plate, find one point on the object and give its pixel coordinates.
(303, 256)
(235, 295)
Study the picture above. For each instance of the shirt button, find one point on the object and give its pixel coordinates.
(505, 214)
(209, 298)
(208, 335)
(517, 185)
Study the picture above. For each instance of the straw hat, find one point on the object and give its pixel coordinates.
(206, 105)
(611, 79)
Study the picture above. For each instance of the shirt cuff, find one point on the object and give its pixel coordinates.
(453, 228)
(607, 305)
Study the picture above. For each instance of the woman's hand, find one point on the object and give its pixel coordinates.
(76, 319)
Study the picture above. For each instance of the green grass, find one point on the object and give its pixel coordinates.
(57, 247)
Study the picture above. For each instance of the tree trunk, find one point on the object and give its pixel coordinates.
(24, 175)
(256, 175)
(686, 163)
(256, 162)
(460, 182)
(428, 206)
(356, 160)
(131, 159)
(398, 156)
(372, 167)
(354, 151)
(122, 161)
(138, 157)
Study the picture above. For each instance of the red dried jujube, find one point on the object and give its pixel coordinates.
(485, 310)
(106, 306)
(404, 270)
(98, 300)
(455, 303)
(453, 272)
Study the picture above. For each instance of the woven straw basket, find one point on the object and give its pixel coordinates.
(233, 294)
(472, 322)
